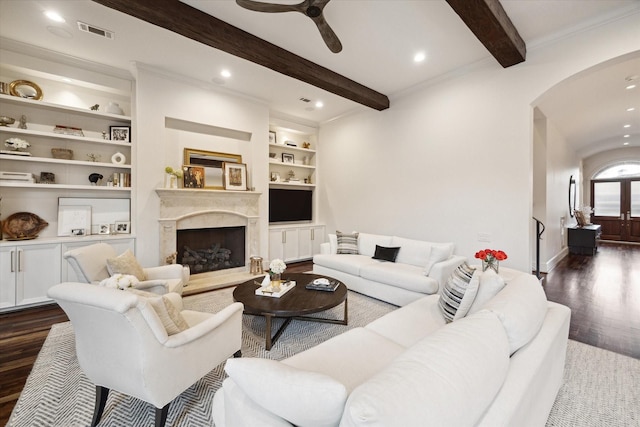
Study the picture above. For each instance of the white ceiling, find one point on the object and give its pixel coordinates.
(379, 38)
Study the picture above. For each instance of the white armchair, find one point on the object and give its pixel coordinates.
(123, 342)
(90, 265)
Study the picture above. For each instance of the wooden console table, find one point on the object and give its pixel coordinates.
(584, 240)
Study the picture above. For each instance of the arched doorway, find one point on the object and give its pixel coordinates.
(615, 199)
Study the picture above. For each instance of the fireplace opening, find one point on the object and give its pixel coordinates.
(211, 249)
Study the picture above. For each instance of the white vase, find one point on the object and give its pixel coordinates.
(170, 181)
(114, 108)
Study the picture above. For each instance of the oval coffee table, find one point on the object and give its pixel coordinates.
(295, 304)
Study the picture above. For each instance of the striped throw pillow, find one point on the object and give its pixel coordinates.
(459, 292)
(347, 243)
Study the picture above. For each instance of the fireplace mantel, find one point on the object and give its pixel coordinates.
(201, 208)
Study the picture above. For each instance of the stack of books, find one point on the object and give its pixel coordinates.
(323, 284)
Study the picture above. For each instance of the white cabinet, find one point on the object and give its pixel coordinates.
(295, 242)
(27, 272)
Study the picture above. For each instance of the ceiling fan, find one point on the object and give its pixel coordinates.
(311, 8)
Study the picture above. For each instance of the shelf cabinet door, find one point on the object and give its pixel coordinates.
(309, 240)
(8, 257)
(38, 270)
(283, 244)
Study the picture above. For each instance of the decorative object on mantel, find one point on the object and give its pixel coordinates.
(171, 177)
(93, 157)
(18, 147)
(23, 122)
(491, 258)
(94, 178)
(25, 89)
(234, 176)
(62, 153)
(193, 177)
(6, 121)
(23, 226)
(118, 159)
(68, 130)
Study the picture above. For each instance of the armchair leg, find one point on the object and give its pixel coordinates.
(237, 353)
(101, 400)
(161, 415)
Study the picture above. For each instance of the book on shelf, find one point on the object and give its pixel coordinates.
(323, 284)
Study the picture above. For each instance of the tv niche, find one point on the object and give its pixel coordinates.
(290, 205)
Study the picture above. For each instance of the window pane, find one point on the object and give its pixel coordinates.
(623, 170)
(635, 198)
(606, 199)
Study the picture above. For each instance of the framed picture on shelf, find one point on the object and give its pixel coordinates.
(275, 177)
(193, 176)
(287, 158)
(104, 229)
(272, 137)
(235, 176)
(120, 133)
(73, 218)
(123, 227)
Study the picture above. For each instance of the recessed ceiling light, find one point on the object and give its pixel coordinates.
(631, 87)
(626, 126)
(627, 136)
(54, 16)
(419, 57)
(631, 109)
(625, 143)
(225, 73)
(319, 104)
(66, 79)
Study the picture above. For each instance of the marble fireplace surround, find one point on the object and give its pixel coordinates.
(201, 208)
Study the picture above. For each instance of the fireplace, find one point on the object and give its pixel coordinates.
(198, 210)
(211, 249)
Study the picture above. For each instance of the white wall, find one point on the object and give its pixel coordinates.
(454, 159)
(158, 96)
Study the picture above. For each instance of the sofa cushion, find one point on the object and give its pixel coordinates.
(367, 243)
(347, 357)
(449, 378)
(411, 323)
(126, 263)
(302, 397)
(414, 252)
(521, 307)
(347, 243)
(350, 264)
(384, 253)
(405, 276)
(490, 285)
(438, 254)
(459, 292)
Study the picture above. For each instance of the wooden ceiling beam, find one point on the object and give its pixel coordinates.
(203, 28)
(491, 25)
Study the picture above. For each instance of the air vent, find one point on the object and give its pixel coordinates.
(87, 28)
(303, 99)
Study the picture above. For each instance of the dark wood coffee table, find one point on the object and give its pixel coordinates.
(295, 304)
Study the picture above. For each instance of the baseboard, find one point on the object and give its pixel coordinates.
(546, 267)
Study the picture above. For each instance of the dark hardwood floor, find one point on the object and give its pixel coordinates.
(603, 292)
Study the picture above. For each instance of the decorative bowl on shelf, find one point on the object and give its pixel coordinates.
(62, 153)
(23, 226)
(5, 121)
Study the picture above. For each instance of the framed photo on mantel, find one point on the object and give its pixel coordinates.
(235, 176)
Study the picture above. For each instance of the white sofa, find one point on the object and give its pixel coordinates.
(502, 365)
(420, 269)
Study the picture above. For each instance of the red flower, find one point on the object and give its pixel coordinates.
(491, 254)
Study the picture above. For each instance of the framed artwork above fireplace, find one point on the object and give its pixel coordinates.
(212, 162)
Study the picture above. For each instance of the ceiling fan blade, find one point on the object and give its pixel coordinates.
(328, 35)
(269, 7)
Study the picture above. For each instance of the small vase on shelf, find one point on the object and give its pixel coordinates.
(493, 264)
(170, 181)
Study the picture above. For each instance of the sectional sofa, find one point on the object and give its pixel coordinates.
(420, 267)
(500, 365)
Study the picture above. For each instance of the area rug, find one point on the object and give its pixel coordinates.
(600, 387)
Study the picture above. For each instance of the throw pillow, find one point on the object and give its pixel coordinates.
(303, 398)
(438, 254)
(459, 292)
(126, 263)
(490, 285)
(169, 315)
(347, 243)
(386, 254)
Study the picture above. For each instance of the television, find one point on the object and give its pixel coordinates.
(290, 205)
